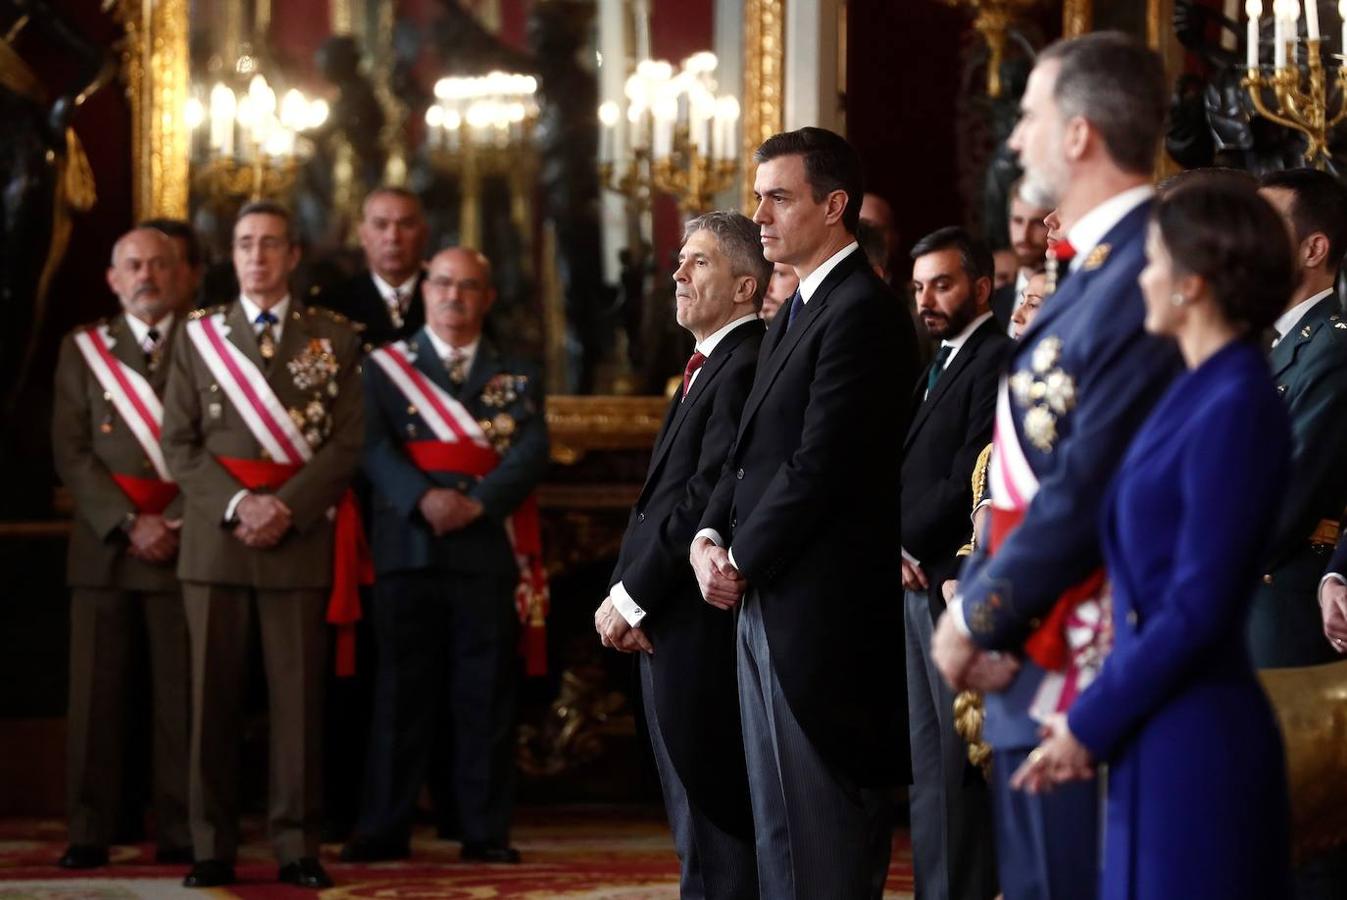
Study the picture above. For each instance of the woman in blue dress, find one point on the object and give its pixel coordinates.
(1197, 799)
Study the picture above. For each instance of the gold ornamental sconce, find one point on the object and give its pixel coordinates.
(993, 19)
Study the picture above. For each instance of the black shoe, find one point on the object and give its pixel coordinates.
(488, 853)
(364, 849)
(173, 856)
(209, 873)
(305, 873)
(83, 856)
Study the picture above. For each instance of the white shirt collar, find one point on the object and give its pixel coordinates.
(1021, 282)
(1288, 320)
(707, 345)
(810, 284)
(956, 343)
(1091, 228)
(252, 311)
(140, 329)
(401, 292)
(443, 349)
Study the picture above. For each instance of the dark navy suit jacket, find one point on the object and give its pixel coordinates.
(402, 540)
(1108, 374)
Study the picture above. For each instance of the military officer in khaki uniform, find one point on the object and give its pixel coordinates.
(123, 546)
(263, 430)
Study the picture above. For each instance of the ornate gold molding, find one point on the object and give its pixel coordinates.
(1077, 17)
(580, 424)
(156, 66)
(764, 81)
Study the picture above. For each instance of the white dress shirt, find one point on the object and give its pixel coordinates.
(395, 297)
(1288, 320)
(623, 602)
(140, 329)
(445, 350)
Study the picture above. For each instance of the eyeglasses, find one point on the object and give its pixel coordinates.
(266, 244)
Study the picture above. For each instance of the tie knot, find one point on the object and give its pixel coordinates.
(266, 317)
(942, 355)
(152, 336)
(695, 362)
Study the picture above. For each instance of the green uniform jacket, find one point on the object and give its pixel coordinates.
(200, 424)
(91, 442)
(1309, 367)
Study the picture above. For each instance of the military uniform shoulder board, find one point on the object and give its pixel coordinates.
(207, 311)
(1337, 322)
(1098, 256)
(330, 315)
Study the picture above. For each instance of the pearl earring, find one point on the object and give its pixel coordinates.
(1178, 299)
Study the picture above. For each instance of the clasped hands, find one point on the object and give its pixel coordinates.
(1059, 758)
(722, 585)
(447, 510)
(963, 664)
(614, 630)
(153, 538)
(263, 519)
(1333, 606)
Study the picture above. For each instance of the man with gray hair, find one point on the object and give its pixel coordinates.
(1080, 383)
(654, 601)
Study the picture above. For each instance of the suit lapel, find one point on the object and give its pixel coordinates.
(775, 360)
(428, 362)
(294, 336)
(124, 345)
(967, 353)
(1284, 354)
(484, 365)
(241, 334)
(680, 409)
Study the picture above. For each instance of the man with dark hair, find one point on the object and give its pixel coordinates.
(125, 602)
(801, 528)
(386, 298)
(953, 402)
(1029, 242)
(1309, 363)
(876, 251)
(1081, 382)
(191, 267)
(653, 603)
(262, 431)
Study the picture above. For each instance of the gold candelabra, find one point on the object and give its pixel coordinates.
(225, 179)
(1301, 97)
(993, 20)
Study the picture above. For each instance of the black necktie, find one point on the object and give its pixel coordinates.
(796, 305)
(151, 347)
(938, 367)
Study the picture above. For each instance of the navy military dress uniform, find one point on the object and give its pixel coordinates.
(1309, 366)
(1082, 379)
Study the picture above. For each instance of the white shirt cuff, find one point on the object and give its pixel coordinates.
(623, 603)
(1331, 576)
(711, 535)
(234, 505)
(954, 609)
(911, 560)
(730, 554)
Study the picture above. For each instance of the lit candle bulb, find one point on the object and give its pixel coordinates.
(1312, 19)
(1342, 11)
(608, 116)
(1254, 9)
(223, 107)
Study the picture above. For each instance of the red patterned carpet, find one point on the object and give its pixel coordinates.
(577, 853)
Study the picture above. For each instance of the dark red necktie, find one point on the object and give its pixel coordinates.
(694, 363)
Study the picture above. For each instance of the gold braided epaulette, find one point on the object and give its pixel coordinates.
(207, 311)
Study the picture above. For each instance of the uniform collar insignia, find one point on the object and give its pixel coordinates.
(1097, 257)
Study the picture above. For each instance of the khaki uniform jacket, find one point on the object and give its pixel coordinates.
(200, 424)
(91, 442)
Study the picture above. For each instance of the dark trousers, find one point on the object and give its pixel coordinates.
(108, 629)
(447, 645)
(715, 864)
(952, 832)
(819, 836)
(294, 642)
(1047, 845)
(348, 703)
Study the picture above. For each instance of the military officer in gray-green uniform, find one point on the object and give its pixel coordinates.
(1309, 366)
(263, 429)
(123, 548)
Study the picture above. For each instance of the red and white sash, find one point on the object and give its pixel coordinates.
(246, 386)
(1084, 621)
(131, 394)
(447, 418)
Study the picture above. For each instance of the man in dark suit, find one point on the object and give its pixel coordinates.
(125, 596)
(456, 443)
(803, 528)
(654, 603)
(954, 403)
(386, 298)
(1287, 627)
(262, 430)
(1082, 380)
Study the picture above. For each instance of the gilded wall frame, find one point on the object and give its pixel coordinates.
(764, 82)
(155, 65)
